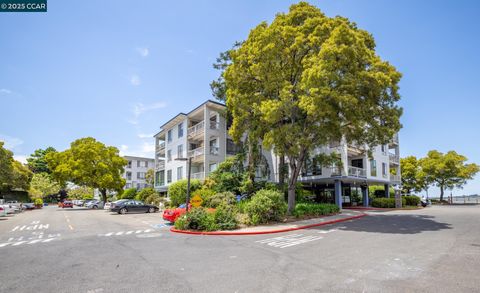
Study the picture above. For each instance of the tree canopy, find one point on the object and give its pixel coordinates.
(449, 170)
(91, 163)
(43, 185)
(13, 174)
(306, 80)
(37, 162)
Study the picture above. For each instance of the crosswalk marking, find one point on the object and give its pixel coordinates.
(119, 233)
(289, 240)
(122, 233)
(26, 242)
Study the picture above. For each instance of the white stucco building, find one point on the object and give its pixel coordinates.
(202, 135)
(136, 171)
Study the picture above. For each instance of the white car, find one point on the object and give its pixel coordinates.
(8, 208)
(3, 211)
(107, 206)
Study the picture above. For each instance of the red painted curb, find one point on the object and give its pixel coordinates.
(383, 209)
(225, 233)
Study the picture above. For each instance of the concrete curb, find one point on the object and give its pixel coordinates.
(233, 233)
(383, 209)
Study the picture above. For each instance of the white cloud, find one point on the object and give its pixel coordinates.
(145, 135)
(146, 149)
(10, 142)
(144, 52)
(135, 80)
(21, 158)
(140, 108)
(5, 91)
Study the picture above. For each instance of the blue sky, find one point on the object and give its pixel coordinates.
(116, 70)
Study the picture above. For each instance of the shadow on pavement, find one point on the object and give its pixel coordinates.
(393, 224)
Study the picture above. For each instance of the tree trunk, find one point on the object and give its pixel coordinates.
(251, 161)
(295, 167)
(441, 193)
(103, 191)
(291, 198)
(281, 171)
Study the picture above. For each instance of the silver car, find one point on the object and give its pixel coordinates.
(94, 204)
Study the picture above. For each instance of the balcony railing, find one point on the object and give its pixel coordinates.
(356, 172)
(395, 178)
(394, 158)
(199, 175)
(160, 147)
(214, 150)
(160, 165)
(352, 171)
(394, 139)
(196, 152)
(196, 129)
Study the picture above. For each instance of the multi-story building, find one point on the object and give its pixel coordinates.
(136, 171)
(202, 135)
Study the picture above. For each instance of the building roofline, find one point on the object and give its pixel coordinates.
(137, 157)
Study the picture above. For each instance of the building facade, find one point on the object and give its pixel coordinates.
(136, 171)
(202, 135)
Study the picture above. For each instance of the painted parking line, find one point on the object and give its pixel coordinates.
(289, 240)
(123, 233)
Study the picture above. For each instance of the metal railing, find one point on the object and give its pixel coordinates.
(196, 129)
(198, 175)
(196, 152)
(160, 165)
(394, 158)
(160, 147)
(357, 172)
(395, 178)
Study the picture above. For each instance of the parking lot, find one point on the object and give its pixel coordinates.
(96, 251)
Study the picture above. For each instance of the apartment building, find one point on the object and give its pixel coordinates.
(202, 135)
(136, 171)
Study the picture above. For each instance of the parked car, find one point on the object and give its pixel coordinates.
(3, 212)
(67, 204)
(134, 206)
(107, 206)
(79, 202)
(8, 208)
(29, 206)
(95, 204)
(15, 205)
(85, 202)
(171, 215)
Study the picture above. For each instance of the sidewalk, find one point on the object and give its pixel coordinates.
(346, 215)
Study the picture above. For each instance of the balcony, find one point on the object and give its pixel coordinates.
(196, 154)
(160, 165)
(199, 176)
(352, 172)
(395, 178)
(160, 147)
(214, 125)
(394, 158)
(196, 130)
(394, 140)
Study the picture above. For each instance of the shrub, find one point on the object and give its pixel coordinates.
(241, 206)
(228, 176)
(266, 205)
(304, 195)
(412, 200)
(87, 196)
(314, 209)
(178, 191)
(38, 202)
(128, 194)
(197, 219)
(145, 193)
(383, 202)
(154, 199)
(226, 217)
(205, 193)
(379, 191)
(225, 198)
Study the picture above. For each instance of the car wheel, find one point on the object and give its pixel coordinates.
(95, 207)
(122, 211)
(151, 210)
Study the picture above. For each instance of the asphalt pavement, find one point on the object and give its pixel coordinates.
(436, 249)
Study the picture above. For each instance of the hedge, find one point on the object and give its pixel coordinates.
(315, 209)
(412, 200)
(383, 202)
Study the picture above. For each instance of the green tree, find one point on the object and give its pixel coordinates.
(448, 170)
(42, 185)
(129, 193)
(306, 80)
(145, 193)
(37, 162)
(21, 176)
(150, 176)
(6, 166)
(177, 191)
(91, 163)
(228, 176)
(411, 174)
(80, 192)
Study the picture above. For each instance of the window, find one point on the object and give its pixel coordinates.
(140, 175)
(139, 186)
(169, 135)
(129, 164)
(373, 168)
(160, 178)
(384, 149)
(213, 147)
(180, 151)
(169, 176)
(129, 175)
(384, 170)
(146, 164)
(180, 130)
(139, 163)
(127, 186)
(169, 155)
(179, 173)
(212, 167)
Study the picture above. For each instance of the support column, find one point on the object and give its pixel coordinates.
(387, 190)
(365, 195)
(338, 193)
